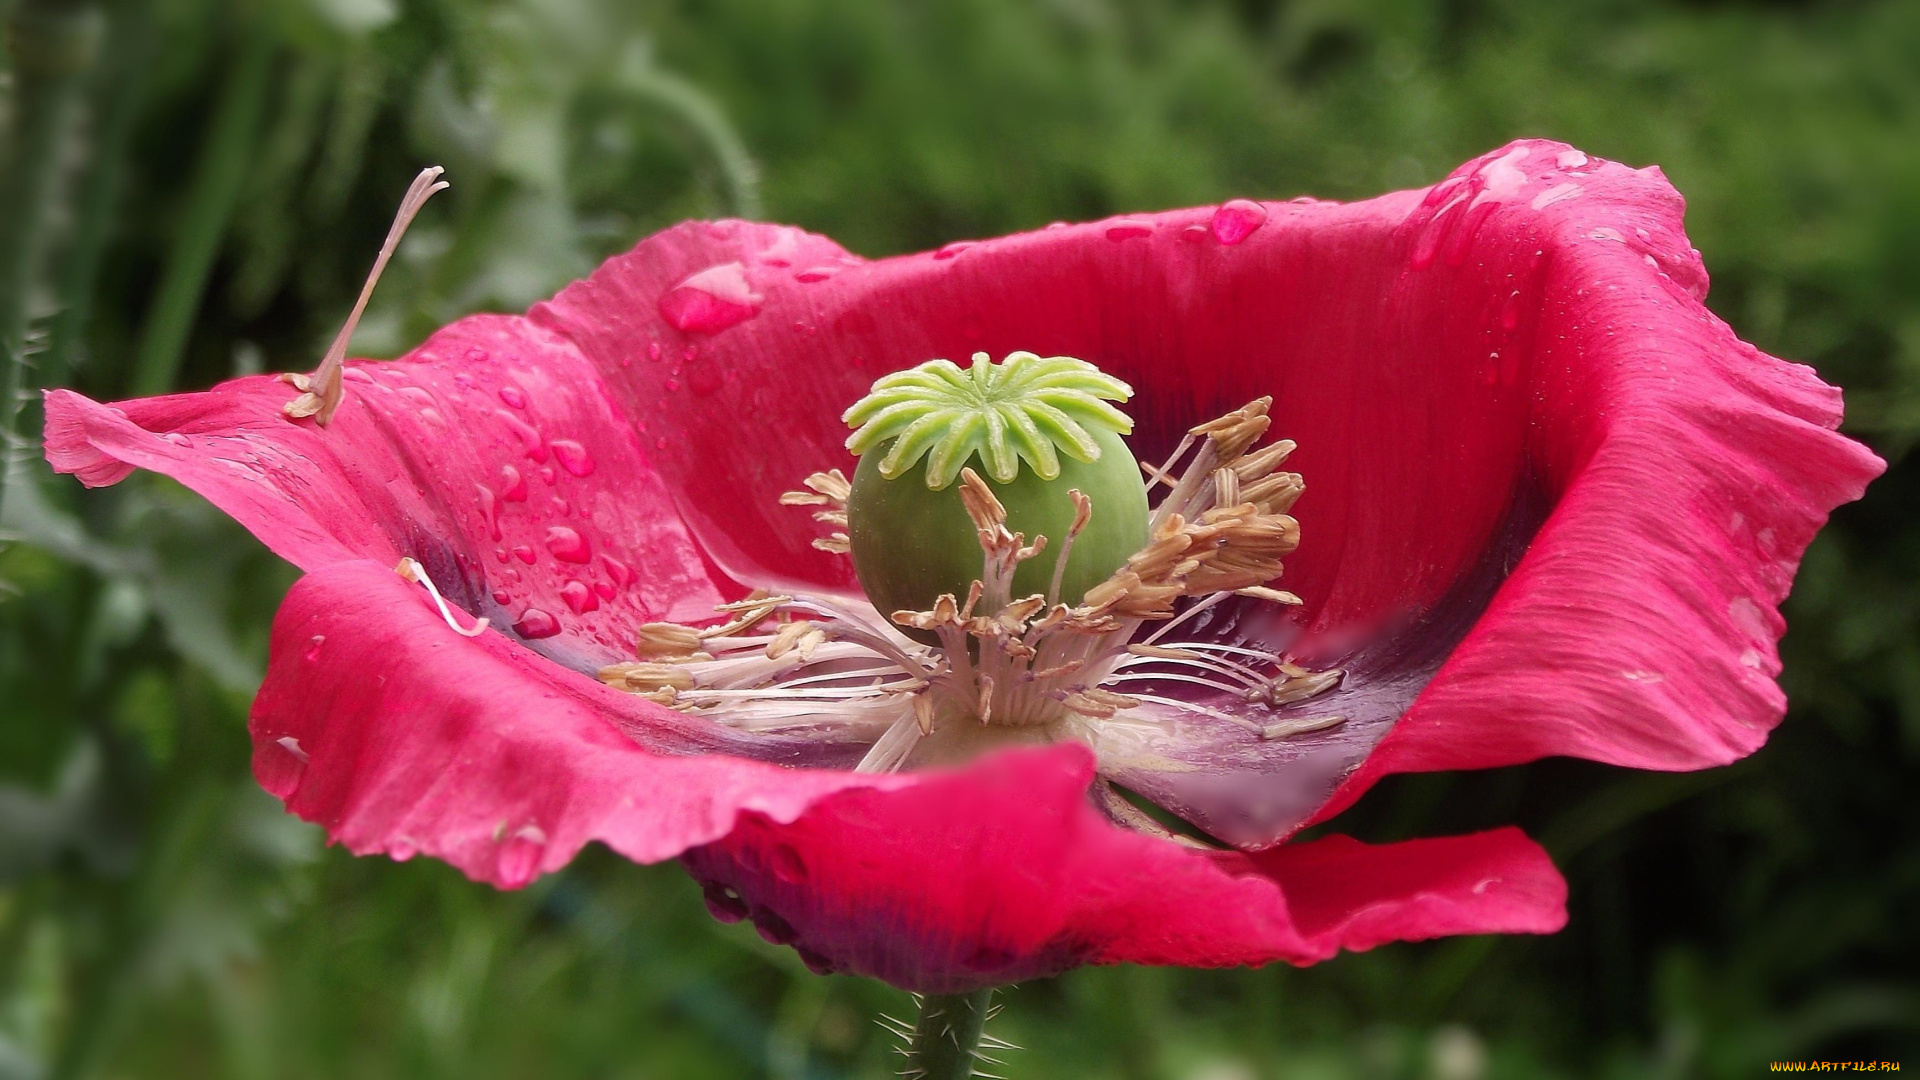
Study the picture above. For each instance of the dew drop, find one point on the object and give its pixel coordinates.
(1236, 220)
(579, 597)
(948, 251)
(535, 623)
(177, 439)
(489, 510)
(1129, 230)
(1510, 311)
(313, 646)
(513, 396)
(815, 273)
(524, 553)
(546, 474)
(501, 554)
(530, 441)
(354, 374)
(1570, 159)
(787, 865)
(711, 300)
(513, 486)
(501, 596)
(568, 545)
(660, 443)
(477, 356)
(606, 591)
(653, 350)
(418, 396)
(572, 457)
(1194, 234)
(617, 570)
(672, 385)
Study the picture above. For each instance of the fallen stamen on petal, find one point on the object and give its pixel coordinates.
(321, 392)
(412, 571)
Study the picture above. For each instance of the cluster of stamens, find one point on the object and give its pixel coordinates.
(794, 662)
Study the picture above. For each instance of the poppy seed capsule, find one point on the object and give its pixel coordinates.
(1038, 430)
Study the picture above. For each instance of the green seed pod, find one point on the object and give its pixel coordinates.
(910, 535)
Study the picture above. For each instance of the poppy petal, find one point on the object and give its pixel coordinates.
(490, 454)
(401, 736)
(1030, 880)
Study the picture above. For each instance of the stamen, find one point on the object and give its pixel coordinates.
(322, 391)
(413, 571)
(1287, 729)
(1082, 513)
(666, 641)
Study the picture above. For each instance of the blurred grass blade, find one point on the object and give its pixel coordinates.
(218, 178)
(53, 43)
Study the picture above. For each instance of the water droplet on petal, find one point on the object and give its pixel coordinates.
(313, 646)
(606, 591)
(568, 545)
(1236, 220)
(530, 441)
(1570, 159)
(513, 486)
(177, 439)
(572, 457)
(535, 623)
(354, 374)
(477, 356)
(660, 443)
(489, 510)
(815, 273)
(1129, 230)
(524, 553)
(948, 251)
(579, 597)
(1193, 234)
(787, 865)
(1510, 311)
(711, 300)
(653, 350)
(513, 396)
(617, 570)
(546, 474)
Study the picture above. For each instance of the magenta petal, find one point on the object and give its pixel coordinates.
(1030, 880)
(400, 736)
(491, 454)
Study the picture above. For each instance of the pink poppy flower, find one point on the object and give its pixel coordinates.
(1553, 504)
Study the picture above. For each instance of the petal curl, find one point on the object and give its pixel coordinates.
(1005, 872)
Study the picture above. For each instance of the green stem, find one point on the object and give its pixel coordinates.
(946, 1038)
(684, 102)
(52, 43)
(217, 179)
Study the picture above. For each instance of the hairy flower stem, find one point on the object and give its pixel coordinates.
(946, 1038)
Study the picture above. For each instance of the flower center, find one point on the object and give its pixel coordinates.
(937, 669)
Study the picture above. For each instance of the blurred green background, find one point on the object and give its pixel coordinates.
(193, 189)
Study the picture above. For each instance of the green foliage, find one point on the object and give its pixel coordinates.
(213, 213)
